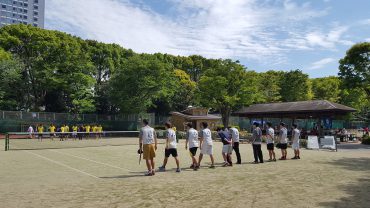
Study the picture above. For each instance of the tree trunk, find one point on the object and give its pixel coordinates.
(225, 114)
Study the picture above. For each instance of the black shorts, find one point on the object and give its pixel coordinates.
(169, 152)
(270, 146)
(193, 151)
(283, 146)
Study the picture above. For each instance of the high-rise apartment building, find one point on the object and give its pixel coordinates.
(30, 12)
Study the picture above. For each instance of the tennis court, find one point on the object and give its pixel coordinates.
(106, 173)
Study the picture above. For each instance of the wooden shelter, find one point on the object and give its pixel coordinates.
(312, 109)
(196, 116)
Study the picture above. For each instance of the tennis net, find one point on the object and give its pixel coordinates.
(35, 141)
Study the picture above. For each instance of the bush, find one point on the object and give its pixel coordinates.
(366, 139)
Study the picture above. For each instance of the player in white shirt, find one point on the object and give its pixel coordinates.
(295, 143)
(270, 134)
(148, 146)
(283, 143)
(235, 142)
(171, 147)
(206, 144)
(30, 131)
(192, 140)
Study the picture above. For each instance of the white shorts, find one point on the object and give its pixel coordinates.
(295, 146)
(227, 149)
(207, 149)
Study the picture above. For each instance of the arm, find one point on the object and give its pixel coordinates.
(167, 140)
(187, 140)
(141, 140)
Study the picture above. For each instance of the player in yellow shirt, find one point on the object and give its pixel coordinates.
(94, 131)
(100, 131)
(66, 130)
(40, 131)
(74, 133)
(52, 131)
(87, 129)
(62, 130)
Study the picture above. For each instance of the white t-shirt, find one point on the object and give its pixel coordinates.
(270, 136)
(171, 136)
(192, 136)
(147, 134)
(206, 135)
(283, 134)
(296, 135)
(30, 129)
(234, 134)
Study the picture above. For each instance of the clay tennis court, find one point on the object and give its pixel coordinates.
(107, 174)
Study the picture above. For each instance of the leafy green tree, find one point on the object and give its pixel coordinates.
(53, 63)
(226, 87)
(270, 86)
(326, 88)
(140, 81)
(357, 98)
(354, 68)
(295, 86)
(11, 85)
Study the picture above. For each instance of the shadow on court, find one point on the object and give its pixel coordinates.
(357, 193)
(132, 175)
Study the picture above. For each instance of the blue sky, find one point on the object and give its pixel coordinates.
(262, 34)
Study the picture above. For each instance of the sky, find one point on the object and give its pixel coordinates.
(310, 35)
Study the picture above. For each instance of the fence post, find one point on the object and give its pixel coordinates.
(6, 142)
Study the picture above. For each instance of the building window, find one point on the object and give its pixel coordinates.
(36, 1)
(35, 25)
(25, 4)
(36, 13)
(35, 7)
(35, 19)
(25, 10)
(14, 2)
(14, 9)
(3, 6)
(24, 17)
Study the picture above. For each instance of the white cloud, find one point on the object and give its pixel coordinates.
(250, 29)
(321, 63)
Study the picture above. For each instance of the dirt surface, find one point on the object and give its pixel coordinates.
(110, 176)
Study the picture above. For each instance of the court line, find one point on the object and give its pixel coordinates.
(87, 159)
(62, 164)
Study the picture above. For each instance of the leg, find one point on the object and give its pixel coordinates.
(273, 154)
(148, 165)
(212, 160)
(177, 162)
(229, 159)
(165, 162)
(152, 163)
(236, 149)
(255, 153)
(200, 159)
(270, 154)
(260, 155)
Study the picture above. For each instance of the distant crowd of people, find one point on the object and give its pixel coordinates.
(204, 141)
(65, 131)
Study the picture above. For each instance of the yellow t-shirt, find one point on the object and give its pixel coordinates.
(87, 128)
(66, 128)
(94, 129)
(40, 129)
(52, 129)
(62, 129)
(100, 129)
(75, 128)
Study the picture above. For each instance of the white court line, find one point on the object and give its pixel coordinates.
(87, 159)
(62, 164)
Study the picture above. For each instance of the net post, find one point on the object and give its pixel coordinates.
(6, 142)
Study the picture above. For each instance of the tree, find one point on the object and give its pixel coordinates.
(226, 87)
(354, 68)
(326, 88)
(140, 81)
(11, 85)
(357, 98)
(295, 86)
(54, 64)
(270, 86)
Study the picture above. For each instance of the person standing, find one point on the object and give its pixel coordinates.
(226, 148)
(80, 133)
(148, 145)
(40, 131)
(192, 140)
(270, 134)
(171, 148)
(235, 143)
(30, 131)
(257, 142)
(52, 131)
(295, 143)
(283, 140)
(75, 130)
(206, 144)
